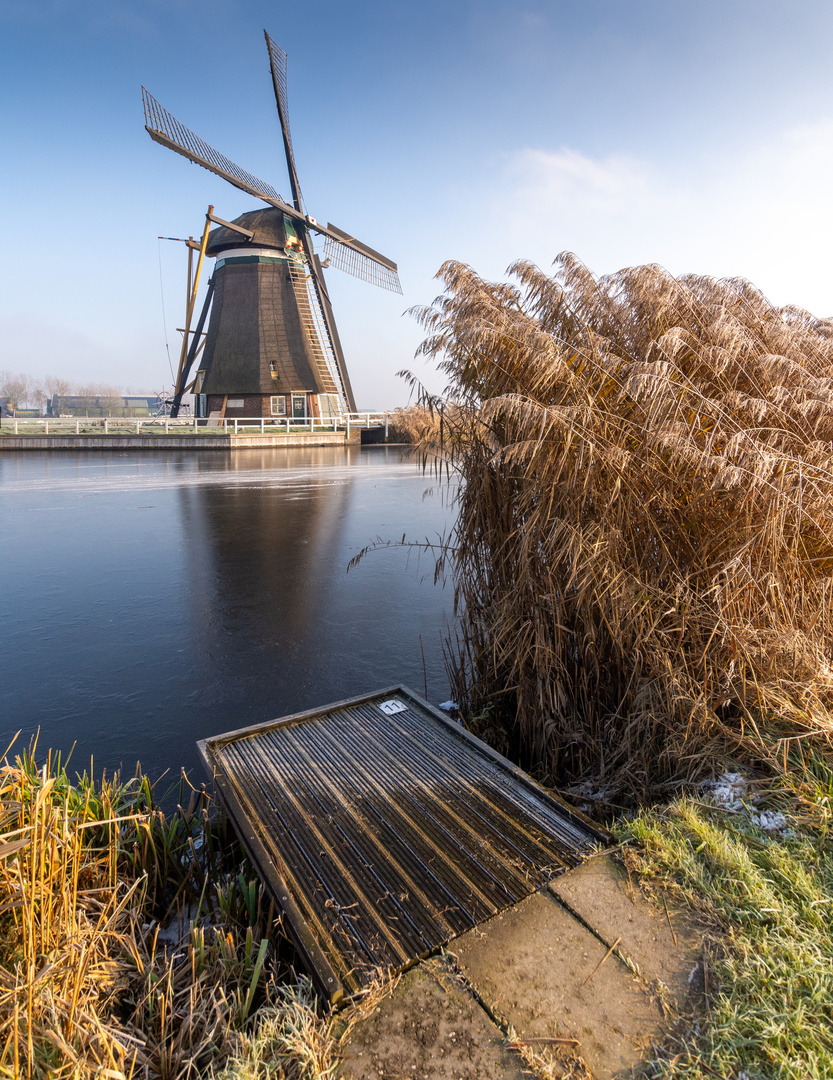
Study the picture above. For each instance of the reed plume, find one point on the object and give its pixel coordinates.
(642, 557)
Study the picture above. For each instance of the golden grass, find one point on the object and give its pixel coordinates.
(294, 1040)
(409, 425)
(88, 986)
(643, 553)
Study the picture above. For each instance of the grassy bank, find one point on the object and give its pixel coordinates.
(135, 943)
(759, 873)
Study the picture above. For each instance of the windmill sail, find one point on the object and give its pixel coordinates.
(343, 250)
(167, 130)
(277, 63)
(326, 325)
(350, 255)
(312, 318)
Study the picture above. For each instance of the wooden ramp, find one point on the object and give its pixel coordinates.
(384, 830)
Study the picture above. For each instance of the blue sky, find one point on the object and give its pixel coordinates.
(697, 135)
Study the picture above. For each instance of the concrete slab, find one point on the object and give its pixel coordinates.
(430, 1028)
(600, 893)
(536, 968)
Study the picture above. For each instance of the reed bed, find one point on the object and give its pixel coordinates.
(643, 557)
(408, 425)
(132, 943)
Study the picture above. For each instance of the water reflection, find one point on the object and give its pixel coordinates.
(152, 601)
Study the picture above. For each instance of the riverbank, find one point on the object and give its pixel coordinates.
(141, 943)
(204, 439)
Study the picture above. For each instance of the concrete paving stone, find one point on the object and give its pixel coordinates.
(533, 966)
(429, 1028)
(600, 893)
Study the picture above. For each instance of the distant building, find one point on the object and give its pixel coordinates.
(98, 405)
(6, 411)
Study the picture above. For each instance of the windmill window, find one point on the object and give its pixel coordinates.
(279, 405)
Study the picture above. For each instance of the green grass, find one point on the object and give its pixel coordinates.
(770, 903)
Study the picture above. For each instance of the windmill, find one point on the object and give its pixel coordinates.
(272, 347)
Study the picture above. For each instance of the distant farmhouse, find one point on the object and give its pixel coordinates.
(5, 409)
(101, 405)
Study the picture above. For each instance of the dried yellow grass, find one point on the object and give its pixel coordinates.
(643, 554)
(88, 986)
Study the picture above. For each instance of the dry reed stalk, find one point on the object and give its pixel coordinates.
(412, 424)
(86, 986)
(643, 551)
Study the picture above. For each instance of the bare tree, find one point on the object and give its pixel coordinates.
(19, 388)
(112, 401)
(56, 384)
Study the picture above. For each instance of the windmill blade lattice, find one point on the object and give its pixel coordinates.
(278, 62)
(355, 258)
(167, 130)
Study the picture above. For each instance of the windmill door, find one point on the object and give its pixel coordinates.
(299, 406)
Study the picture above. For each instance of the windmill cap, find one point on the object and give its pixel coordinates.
(266, 224)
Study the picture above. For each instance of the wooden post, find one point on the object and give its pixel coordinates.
(191, 299)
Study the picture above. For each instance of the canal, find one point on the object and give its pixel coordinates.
(149, 600)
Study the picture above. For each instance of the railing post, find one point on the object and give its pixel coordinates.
(46, 427)
(105, 424)
(386, 429)
(287, 425)
(262, 429)
(348, 429)
(235, 425)
(77, 426)
(195, 425)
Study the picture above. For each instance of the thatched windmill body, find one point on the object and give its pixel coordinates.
(272, 347)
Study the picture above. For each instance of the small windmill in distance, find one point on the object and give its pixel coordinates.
(272, 347)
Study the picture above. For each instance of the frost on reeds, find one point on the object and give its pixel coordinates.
(91, 985)
(643, 553)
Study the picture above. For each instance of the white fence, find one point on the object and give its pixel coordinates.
(216, 425)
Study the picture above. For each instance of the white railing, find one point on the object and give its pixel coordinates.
(215, 425)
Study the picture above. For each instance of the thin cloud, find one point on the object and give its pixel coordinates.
(762, 212)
